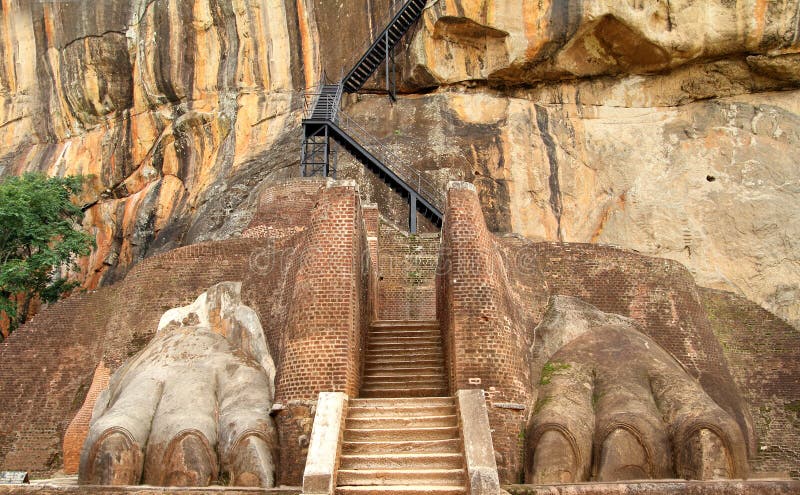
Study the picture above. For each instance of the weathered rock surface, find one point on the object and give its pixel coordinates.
(658, 126)
(523, 41)
(613, 405)
(192, 404)
(712, 184)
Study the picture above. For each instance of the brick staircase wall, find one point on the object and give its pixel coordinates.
(406, 274)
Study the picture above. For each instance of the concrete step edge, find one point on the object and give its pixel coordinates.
(388, 447)
(402, 489)
(390, 402)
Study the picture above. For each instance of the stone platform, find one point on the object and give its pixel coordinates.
(663, 487)
(659, 487)
(43, 488)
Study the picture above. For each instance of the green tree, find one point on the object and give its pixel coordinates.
(38, 237)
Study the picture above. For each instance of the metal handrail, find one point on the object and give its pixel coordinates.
(413, 177)
(395, 6)
(313, 103)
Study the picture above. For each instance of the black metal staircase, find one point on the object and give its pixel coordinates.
(317, 156)
(325, 122)
(383, 45)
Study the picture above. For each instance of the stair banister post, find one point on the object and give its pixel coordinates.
(412, 213)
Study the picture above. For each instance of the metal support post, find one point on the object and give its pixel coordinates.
(412, 213)
(327, 152)
(389, 57)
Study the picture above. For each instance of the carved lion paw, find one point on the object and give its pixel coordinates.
(192, 405)
(613, 405)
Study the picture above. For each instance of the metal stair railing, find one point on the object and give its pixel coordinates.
(395, 7)
(411, 176)
(316, 100)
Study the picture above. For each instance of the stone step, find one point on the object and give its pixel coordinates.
(404, 411)
(402, 461)
(399, 354)
(403, 378)
(407, 355)
(404, 434)
(399, 422)
(393, 337)
(403, 365)
(394, 349)
(390, 392)
(416, 385)
(447, 446)
(373, 365)
(404, 402)
(404, 324)
(401, 490)
(416, 348)
(403, 343)
(407, 371)
(373, 477)
(405, 333)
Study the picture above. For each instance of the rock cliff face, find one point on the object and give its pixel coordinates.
(670, 127)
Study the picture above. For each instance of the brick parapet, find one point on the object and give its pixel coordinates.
(329, 311)
(406, 273)
(484, 334)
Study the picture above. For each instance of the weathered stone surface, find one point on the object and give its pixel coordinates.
(613, 405)
(322, 462)
(478, 450)
(54, 489)
(521, 42)
(192, 404)
(757, 487)
(591, 121)
(711, 184)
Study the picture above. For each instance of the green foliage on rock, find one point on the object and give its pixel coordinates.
(551, 369)
(39, 237)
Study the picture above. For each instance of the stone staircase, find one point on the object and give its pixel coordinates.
(402, 436)
(404, 359)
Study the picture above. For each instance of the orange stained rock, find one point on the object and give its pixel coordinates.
(759, 18)
(536, 25)
(169, 196)
(306, 44)
(99, 221)
(8, 41)
(79, 426)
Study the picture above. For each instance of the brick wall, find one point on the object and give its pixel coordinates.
(406, 274)
(78, 428)
(46, 368)
(299, 271)
(763, 352)
(493, 291)
(484, 331)
(327, 319)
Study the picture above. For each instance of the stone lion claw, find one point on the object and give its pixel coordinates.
(192, 405)
(613, 405)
